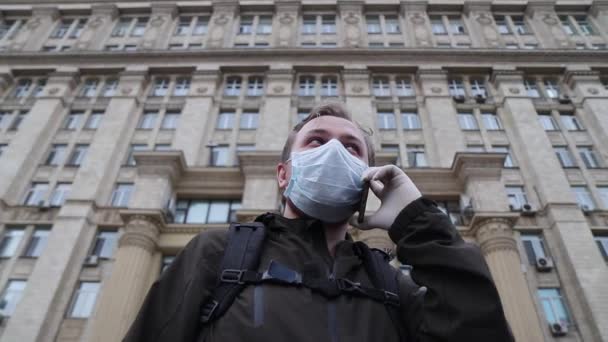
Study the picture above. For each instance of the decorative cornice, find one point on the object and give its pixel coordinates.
(164, 8)
(534, 7)
(573, 76)
(598, 6)
(386, 158)
(288, 5)
(43, 11)
(169, 164)
(475, 6)
(211, 181)
(478, 165)
(142, 229)
(259, 163)
(412, 6)
(110, 10)
(431, 74)
(499, 75)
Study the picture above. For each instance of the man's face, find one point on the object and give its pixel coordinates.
(319, 131)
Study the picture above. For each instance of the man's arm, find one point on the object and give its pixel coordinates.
(171, 309)
(461, 302)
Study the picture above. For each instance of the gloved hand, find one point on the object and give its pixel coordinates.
(395, 191)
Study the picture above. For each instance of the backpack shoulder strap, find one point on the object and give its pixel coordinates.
(383, 276)
(242, 252)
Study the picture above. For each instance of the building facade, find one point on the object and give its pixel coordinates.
(128, 127)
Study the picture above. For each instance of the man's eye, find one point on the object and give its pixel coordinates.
(316, 141)
(352, 148)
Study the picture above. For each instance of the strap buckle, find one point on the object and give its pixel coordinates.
(208, 310)
(391, 298)
(232, 276)
(348, 285)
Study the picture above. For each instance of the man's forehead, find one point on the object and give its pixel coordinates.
(331, 124)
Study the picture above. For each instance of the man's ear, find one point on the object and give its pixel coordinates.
(282, 178)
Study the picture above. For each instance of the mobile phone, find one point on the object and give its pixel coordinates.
(363, 202)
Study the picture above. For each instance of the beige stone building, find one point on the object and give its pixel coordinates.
(126, 127)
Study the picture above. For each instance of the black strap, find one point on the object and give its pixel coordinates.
(383, 276)
(242, 252)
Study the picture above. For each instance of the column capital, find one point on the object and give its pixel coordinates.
(350, 5)
(280, 73)
(477, 6)
(44, 11)
(355, 73)
(413, 6)
(424, 74)
(598, 7)
(170, 164)
(142, 229)
(540, 6)
(288, 5)
(225, 5)
(164, 8)
(131, 82)
(259, 163)
(494, 233)
(109, 10)
(571, 77)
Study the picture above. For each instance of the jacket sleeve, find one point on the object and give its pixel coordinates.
(461, 302)
(170, 311)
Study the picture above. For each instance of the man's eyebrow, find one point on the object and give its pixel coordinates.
(317, 131)
(346, 136)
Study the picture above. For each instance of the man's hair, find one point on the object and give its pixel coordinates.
(336, 109)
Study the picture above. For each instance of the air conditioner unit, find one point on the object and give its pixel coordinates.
(91, 260)
(564, 99)
(458, 98)
(558, 329)
(527, 210)
(479, 98)
(544, 264)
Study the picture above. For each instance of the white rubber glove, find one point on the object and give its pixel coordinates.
(395, 191)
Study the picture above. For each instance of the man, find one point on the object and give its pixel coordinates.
(324, 165)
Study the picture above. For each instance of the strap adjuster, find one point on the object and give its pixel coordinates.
(348, 285)
(232, 276)
(208, 310)
(391, 298)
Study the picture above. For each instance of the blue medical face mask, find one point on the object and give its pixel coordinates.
(326, 182)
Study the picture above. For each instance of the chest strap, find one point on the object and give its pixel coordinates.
(328, 287)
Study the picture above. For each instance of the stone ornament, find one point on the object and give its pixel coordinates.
(278, 89)
(221, 19)
(54, 91)
(95, 23)
(436, 90)
(351, 18)
(33, 24)
(417, 18)
(483, 19)
(201, 90)
(158, 21)
(514, 91)
(549, 19)
(593, 91)
(286, 19)
(126, 90)
(357, 89)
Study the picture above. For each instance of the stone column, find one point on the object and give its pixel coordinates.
(275, 120)
(483, 32)
(553, 188)
(37, 29)
(159, 30)
(261, 192)
(443, 119)
(117, 304)
(288, 13)
(220, 26)
(547, 25)
(357, 96)
(492, 226)
(351, 13)
(416, 22)
(98, 28)
(196, 115)
(25, 151)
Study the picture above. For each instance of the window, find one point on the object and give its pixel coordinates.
(206, 211)
(585, 25)
(551, 89)
(62, 28)
(509, 161)
(553, 306)
(386, 120)
(373, 24)
(11, 296)
(9, 28)
(39, 88)
(77, 30)
(467, 121)
(567, 25)
(491, 121)
(61, 191)
(456, 87)
(392, 24)
(534, 245)
(512, 46)
(583, 197)
(547, 121)
(243, 148)
(309, 24)
(564, 156)
(109, 88)
(36, 193)
(225, 120)
(121, 28)
(182, 86)
(264, 25)
(329, 86)
(22, 88)
(121, 194)
(140, 27)
(162, 147)
(10, 241)
(249, 120)
(381, 87)
(56, 155)
(589, 157)
(519, 24)
(219, 155)
(531, 88)
(302, 114)
(570, 121)
(404, 87)
(160, 87)
(84, 300)
(72, 121)
(437, 25)
(392, 149)
(476, 148)
(517, 197)
(456, 25)
(478, 88)
(135, 148)
(602, 244)
(452, 210)
(183, 26)
(171, 119)
(328, 24)
(246, 26)
(80, 151)
(105, 244)
(37, 242)
(89, 89)
(147, 120)
(4, 116)
(94, 120)
(416, 156)
(18, 120)
(410, 120)
(502, 25)
(307, 86)
(233, 86)
(603, 191)
(255, 86)
(166, 262)
(200, 26)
